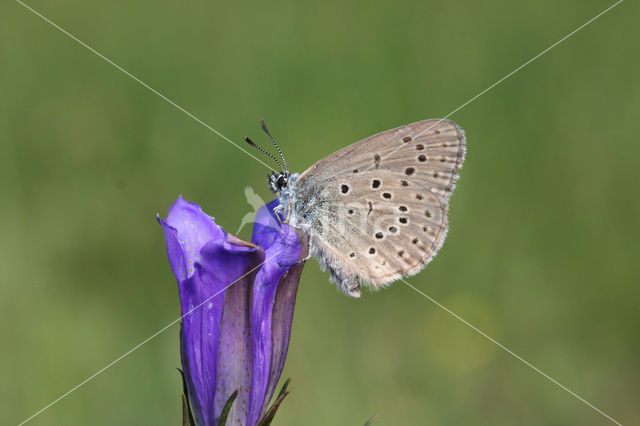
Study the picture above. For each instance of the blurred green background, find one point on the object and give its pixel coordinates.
(543, 253)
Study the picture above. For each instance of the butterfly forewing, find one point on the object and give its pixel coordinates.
(435, 139)
(377, 209)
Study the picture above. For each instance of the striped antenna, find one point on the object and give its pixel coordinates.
(264, 127)
(253, 144)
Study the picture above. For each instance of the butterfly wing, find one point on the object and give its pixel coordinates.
(376, 210)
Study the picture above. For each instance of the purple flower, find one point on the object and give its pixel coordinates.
(237, 302)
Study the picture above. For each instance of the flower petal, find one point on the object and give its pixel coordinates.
(174, 251)
(266, 226)
(283, 314)
(283, 249)
(194, 229)
(222, 267)
(235, 358)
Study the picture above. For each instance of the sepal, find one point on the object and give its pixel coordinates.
(271, 412)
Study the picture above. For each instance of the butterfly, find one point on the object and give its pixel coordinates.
(375, 211)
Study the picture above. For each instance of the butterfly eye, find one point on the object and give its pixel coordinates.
(282, 182)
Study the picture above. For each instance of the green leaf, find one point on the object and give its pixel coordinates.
(268, 417)
(368, 423)
(222, 421)
(187, 417)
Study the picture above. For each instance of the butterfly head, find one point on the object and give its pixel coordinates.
(278, 181)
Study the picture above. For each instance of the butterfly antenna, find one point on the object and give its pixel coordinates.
(264, 127)
(253, 144)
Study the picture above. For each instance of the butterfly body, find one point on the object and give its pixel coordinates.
(376, 211)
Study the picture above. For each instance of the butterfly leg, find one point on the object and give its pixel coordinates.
(277, 210)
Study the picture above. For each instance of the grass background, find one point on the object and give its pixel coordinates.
(545, 237)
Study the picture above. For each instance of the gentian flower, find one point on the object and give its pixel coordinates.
(237, 301)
